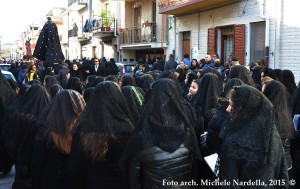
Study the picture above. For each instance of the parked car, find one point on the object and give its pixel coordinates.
(126, 68)
(5, 67)
(8, 75)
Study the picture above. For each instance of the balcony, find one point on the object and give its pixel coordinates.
(183, 7)
(77, 35)
(76, 5)
(139, 35)
(73, 33)
(103, 27)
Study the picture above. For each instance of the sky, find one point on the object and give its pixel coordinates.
(17, 15)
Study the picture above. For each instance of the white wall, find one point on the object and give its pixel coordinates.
(284, 30)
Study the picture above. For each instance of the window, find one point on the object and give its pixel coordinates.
(257, 43)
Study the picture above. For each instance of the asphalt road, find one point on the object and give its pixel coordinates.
(7, 180)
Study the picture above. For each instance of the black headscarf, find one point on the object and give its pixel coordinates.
(48, 44)
(276, 93)
(207, 95)
(62, 110)
(19, 124)
(97, 80)
(75, 84)
(269, 72)
(107, 112)
(163, 122)
(288, 80)
(242, 73)
(252, 120)
(145, 82)
(88, 93)
(55, 89)
(90, 79)
(63, 83)
(49, 81)
(128, 80)
(295, 101)
(135, 101)
(256, 76)
(231, 83)
(7, 95)
(218, 74)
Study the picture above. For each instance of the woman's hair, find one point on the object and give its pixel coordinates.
(29, 70)
(63, 142)
(106, 117)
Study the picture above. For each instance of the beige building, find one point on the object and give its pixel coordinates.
(124, 30)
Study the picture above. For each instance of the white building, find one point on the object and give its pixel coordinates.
(250, 29)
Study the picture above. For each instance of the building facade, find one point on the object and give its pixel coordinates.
(249, 29)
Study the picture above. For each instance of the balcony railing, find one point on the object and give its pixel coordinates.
(135, 35)
(70, 2)
(73, 33)
(103, 24)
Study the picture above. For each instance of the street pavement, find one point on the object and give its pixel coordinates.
(7, 180)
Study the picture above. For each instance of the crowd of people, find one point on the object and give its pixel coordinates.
(81, 125)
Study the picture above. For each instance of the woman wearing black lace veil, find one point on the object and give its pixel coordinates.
(145, 82)
(135, 101)
(277, 94)
(49, 81)
(55, 89)
(75, 84)
(205, 101)
(128, 80)
(52, 145)
(100, 137)
(20, 132)
(256, 76)
(7, 96)
(242, 73)
(251, 147)
(164, 144)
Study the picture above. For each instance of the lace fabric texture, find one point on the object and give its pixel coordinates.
(248, 134)
(163, 122)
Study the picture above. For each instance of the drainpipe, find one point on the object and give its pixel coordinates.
(175, 37)
(198, 31)
(163, 32)
(267, 34)
(277, 34)
(90, 8)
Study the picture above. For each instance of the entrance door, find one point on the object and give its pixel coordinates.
(186, 43)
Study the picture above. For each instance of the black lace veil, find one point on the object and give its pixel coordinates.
(107, 112)
(252, 120)
(163, 122)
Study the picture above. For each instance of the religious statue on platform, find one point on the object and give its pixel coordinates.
(28, 48)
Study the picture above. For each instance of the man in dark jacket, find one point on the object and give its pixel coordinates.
(97, 68)
(171, 64)
(158, 65)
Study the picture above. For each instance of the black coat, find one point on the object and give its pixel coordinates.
(48, 45)
(158, 66)
(149, 169)
(50, 167)
(106, 173)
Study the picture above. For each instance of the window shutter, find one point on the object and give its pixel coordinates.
(211, 41)
(239, 42)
